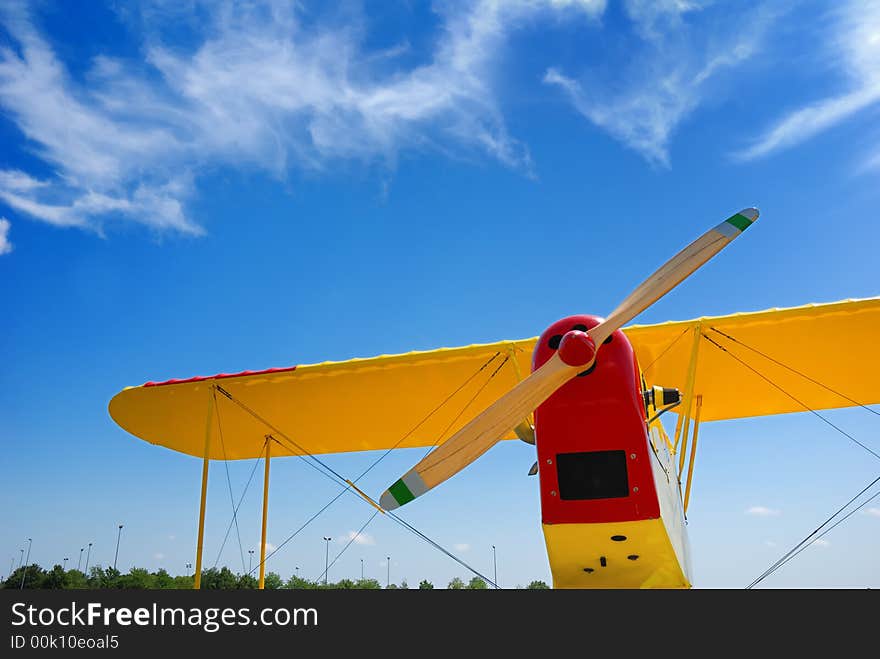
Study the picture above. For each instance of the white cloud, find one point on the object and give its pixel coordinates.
(5, 245)
(763, 511)
(770, 543)
(159, 556)
(362, 539)
(856, 54)
(462, 546)
(663, 76)
(873, 512)
(821, 542)
(261, 88)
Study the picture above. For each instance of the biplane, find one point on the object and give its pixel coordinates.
(589, 393)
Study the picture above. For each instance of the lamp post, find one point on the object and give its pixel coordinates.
(188, 567)
(495, 566)
(64, 567)
(79, 560)
(118, 536)
(11, 565)
(388, 578)
(326, 558)
(21, 557)
(88, 554)
(362, 569)
(24, 572)
(250, 560)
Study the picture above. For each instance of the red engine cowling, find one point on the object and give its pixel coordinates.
(592, 440)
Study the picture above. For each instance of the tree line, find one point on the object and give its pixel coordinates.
(35, 577)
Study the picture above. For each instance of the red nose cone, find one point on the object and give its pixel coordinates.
(577, 348)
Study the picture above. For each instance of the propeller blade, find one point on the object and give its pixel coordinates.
(674, 271)
(534, 469)
(576, 352)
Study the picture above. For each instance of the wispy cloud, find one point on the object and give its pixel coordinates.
(159, 556)
(261, 88)
(873, 512)
(763, 511)
(5, 245)
(461, 546)
(362, 539)
(821, 542)
(663, 74)
(855, 53)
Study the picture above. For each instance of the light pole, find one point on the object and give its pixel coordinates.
(64, 567)
(388, 578)
(79, 561)
(24, 572)
(88, 554)
(326, 559)
(188, 567)
(362, 569)
(250, 560)
(495, 565)
(11, 565)
(118, 536)
(21, 557)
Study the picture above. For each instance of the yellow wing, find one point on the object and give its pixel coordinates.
(836, 344)
(421, 398)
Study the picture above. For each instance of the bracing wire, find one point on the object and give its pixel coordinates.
(665, 350)
(228, 481)
(791, 553)
(797, 372)
(466, 406)
(798, 401)
(235, 510)
(347, 545)
(329, 472)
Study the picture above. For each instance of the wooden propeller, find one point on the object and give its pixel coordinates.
(576, 353)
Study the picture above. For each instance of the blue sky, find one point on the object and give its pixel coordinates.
(190, 188)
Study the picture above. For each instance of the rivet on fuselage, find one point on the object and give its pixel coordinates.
(635, 489)
(552, 493)
(632, 456)
(549, 461)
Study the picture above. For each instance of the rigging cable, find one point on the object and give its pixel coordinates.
(464, 409)
(348, 486)
(799, 402)
(228, 481)
(794, 370)
(802, 544)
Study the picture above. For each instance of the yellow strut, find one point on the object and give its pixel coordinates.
(265, 514)
(197, 583)
(687, 491)
(688, 402)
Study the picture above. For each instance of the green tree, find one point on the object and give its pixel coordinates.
(426, 585)
(456, 584)
(391, 586)
(222, 579)
(34, 576)
(184, 582)
(54, 578)
(299, 583)
(247, 582)
(137, 579)
(477, 584)
(273, 581)
(163, 580)
(537, 585)
(74, 579)
(369, 584)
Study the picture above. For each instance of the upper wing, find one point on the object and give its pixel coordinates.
(836, 344)
(356, 405)
(387, 401)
